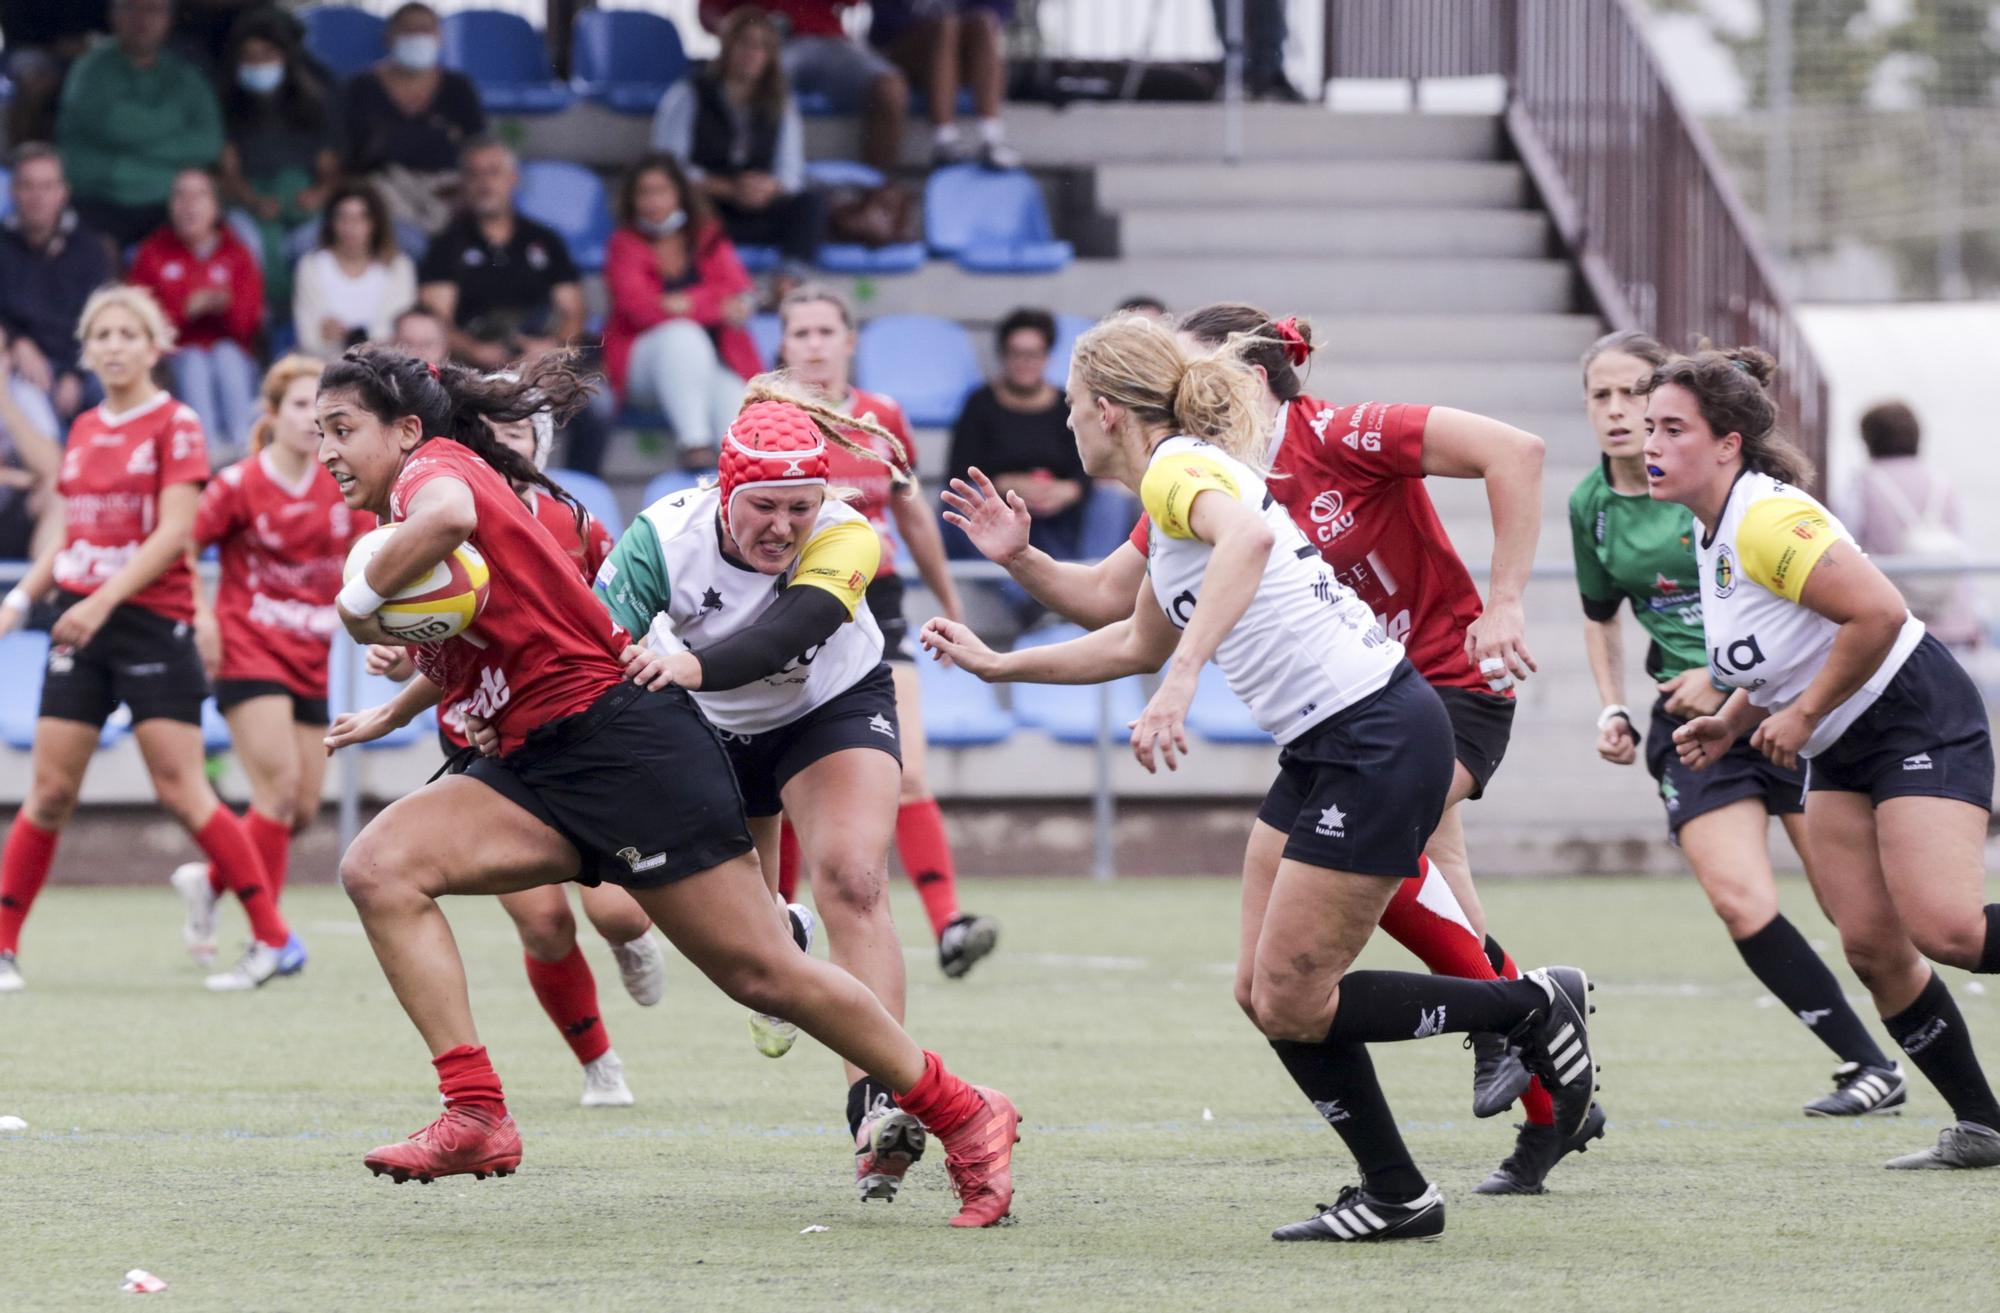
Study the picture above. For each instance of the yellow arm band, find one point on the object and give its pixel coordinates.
(841, 558)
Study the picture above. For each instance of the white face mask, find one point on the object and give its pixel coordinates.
(417, 53)
(260, 79)
(673, 223)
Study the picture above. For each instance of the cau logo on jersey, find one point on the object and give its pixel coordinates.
(1330, 515)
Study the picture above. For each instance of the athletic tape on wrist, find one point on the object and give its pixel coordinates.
(358, 599)
(1616, 711)
(17, 599)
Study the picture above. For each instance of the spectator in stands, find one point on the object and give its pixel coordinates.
(1150, 306)
(675, 338)
(1898, 506)
(42, 39)
(1016, 430)
(420, 333)
(351, 287)
(735, 129)
(210, 287)
(49, 265)
(504, 285)
(942, 45)
(823, 62)
(406, 120)
(133, 115)
(30, 461)
(1264, 35)
(279, 156)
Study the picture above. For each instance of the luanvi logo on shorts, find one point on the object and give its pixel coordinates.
(1332, 823)
(882, 725)
(631, 858)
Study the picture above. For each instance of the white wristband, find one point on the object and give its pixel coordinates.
(1616, 711)
(17, 599)
(358, 599)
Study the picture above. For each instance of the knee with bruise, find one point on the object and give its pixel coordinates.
(51, 802)
(549, 937)
(850, 885)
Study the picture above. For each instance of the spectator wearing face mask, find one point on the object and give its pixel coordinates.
(407, 119)
(133, 115)
(279, 154)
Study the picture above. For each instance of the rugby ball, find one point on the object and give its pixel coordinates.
(438, 606)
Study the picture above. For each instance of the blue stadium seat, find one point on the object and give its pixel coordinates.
(214, 729)
(669, 483)
(1219, 715)
(6, 194)
(23, 660)
(371, 691)
(765, 330)
(759, 259)
(595, 494)
(507, 60)
(344, 39)
(842, 173)
(625, 59)
(991, 222)
(1068, 712)
(1068, 329)
(570, 199)
(960, 710)
(925, 362)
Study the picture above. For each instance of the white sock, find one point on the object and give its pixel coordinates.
(992, 131)
(945, 134)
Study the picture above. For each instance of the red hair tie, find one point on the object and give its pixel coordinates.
(1297, 349)
(434, 371)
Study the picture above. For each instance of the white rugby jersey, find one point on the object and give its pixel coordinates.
(668, 579)
(1754, 566)
(1308, 647)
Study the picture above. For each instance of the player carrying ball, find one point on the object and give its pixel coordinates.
(1364, 770)
(593, 777)
(123, 591)
(1829, 668)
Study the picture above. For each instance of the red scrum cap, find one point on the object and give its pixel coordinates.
(772, 444)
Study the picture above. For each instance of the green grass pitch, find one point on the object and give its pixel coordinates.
(216, 1141)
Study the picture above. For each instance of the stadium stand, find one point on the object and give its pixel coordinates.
(507, 60)
(625, 60)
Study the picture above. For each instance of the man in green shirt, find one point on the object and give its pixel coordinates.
(133, 115)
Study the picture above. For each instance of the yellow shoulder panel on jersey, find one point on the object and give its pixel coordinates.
(1780, 540)
(841, 558)
(1174, 481)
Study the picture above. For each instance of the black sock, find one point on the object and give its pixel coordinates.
(1933, 1033)
(1497, 956)
(864, 1097)
(1989, 953)
(1779, 956)
(1376, 1006)
(1340, 1080)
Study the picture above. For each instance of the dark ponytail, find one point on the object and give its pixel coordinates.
(1262, 341)
(1732, 388)
(454, 402)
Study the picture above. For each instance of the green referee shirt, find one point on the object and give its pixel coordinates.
(1632, 548)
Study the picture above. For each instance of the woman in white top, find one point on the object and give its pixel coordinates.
(1830, 667)
(351, 287)
(1364, 772)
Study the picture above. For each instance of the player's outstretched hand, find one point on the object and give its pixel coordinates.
(1162, 727)
(997, 525)
(352, 727)
(1703, 741)
(953, 644)
(1496, 643)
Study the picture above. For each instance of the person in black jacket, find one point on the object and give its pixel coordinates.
(49, 265)
(736, 131)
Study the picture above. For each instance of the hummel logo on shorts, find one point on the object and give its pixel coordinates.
(1922, 761)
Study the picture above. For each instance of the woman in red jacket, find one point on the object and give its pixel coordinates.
(675, 338)
(212, 289)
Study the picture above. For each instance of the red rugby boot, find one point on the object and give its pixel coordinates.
(468, 1138)
(979, 1157)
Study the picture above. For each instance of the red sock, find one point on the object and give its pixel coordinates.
(273, 841)
(24, 869)
(568, 993)
(788, 862)
(926, 852)
(466, 1076)
(228, 846)
(1424, 918)
(940, 1100)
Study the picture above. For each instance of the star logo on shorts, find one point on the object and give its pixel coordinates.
(881, 724)
(1332, 822)
(711, 600)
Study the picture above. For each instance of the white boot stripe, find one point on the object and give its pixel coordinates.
(1368, 1216)
(1333, 1225)
(1566, 1055)
(1562, 1036)
(1582, 1065)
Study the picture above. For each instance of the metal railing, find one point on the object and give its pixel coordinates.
(1632, 183)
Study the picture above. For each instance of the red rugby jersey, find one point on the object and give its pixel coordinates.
(1352, 478)
(112, 472)
(871, 477)
(544, 647)
(282, 548)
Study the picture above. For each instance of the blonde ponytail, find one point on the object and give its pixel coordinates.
(1137, 363)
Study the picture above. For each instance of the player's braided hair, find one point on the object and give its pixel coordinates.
(456, 403)
(1732, 388)
(780, 385)
(1135, 361)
